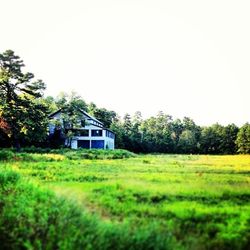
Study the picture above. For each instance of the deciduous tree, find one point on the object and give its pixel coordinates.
(243, 139)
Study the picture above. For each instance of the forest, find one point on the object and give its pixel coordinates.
(25, 110)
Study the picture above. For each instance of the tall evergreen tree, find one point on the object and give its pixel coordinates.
(20, 108)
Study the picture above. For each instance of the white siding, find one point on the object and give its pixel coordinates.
(74, 144)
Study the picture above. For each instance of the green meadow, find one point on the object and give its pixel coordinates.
(65, 199)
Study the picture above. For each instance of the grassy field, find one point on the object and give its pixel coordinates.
(136, 202)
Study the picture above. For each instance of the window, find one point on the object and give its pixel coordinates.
(109, 134)
(83, 123)
(97, 144)
(83, 144)
(84, 132)
(96, 132)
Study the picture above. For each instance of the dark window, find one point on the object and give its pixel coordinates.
(84, 132)
(96, 132)
(83, 144)
(97, 144)
(76, 133)
(109, 134)
(83, 123)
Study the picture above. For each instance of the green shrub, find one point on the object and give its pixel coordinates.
(37, 150)
(33, 154)
(97, 154)
(8, 177)
(6, 155)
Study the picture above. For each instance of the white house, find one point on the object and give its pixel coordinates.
(91, 133)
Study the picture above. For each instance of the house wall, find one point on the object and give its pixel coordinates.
(109, 143)
(57, 116)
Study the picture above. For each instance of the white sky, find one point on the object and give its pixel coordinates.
(186, 58)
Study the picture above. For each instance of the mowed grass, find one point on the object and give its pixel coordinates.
(200, 202)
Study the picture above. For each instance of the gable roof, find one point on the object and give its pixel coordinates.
(100, 124)
(82, 111)
(91, 117)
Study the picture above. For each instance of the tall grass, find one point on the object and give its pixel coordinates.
(33, 218)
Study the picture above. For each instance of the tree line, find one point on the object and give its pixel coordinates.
(24, 118)
(164, 134)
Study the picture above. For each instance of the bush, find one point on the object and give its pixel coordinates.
(6, 155)
(97, 154)
(37, 150)
(27, 154)
(8, 177)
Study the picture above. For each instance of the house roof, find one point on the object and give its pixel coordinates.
(82, 111)
(86, 114)
(91, 117)
(54, 113)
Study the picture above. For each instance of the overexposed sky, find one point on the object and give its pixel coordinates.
(186, 58)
